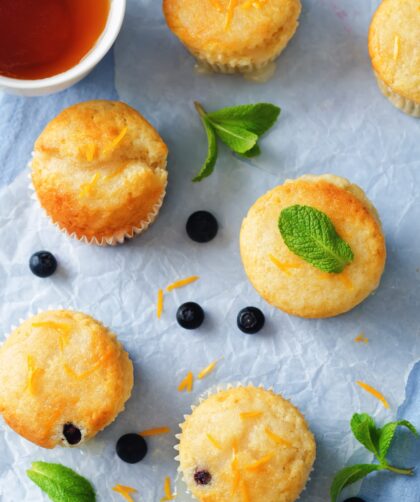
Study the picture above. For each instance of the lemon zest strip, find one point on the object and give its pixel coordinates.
(276, 438)
(86, 188)
(259, 463)
(155, 432)
(396, 47)
(167, 490)
(114, 143)
(159, 307)
(207, 370)
(181, 283)
(214, 442)
(186, 383)
(125, 492)
(374, 392)
(250, 414)
(361, 338)
(284, 267)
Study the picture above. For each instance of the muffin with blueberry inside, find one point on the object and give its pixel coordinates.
(64, 378)
(246, 443)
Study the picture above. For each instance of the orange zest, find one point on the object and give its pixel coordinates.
(284, 267)
(86, 188)
(125, 492)
(276, 438)
(374, 392)
(33, 374)
(361, 338)
(207, 370)
(187, 383)
(214, 442)
(92, 369)
(250, 414)
(155, 432)
(181, 283)
(159, 307)
(259, 463)
(114, 143)
(167, 490)
(396, 50)
(230, 11)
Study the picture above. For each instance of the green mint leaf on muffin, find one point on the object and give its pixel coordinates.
(310, 234)
(348, 476)
(238, 127)
(375, 439)
(60, 483)
(208, 166)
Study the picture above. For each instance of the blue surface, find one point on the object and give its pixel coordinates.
(22, 119)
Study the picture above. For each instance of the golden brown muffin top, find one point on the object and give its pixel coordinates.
(394, 46)
(246, 444)
(230, 25)
(62, 367)
(290, 283)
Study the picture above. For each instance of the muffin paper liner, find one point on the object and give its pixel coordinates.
(180, 481)
(112, 240)
(405, 105)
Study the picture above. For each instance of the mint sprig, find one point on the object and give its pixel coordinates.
(238, 127)
(61, 483)
(310, 234)
(375, 439)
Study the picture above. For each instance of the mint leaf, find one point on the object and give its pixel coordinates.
(237, 138)
(310, 234)
(60, 483)
(208, 166)
(387, 435)
(350, 475)
(365, 431)
(258, 118)
(239, 127)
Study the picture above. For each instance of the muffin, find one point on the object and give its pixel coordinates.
(394, 39)
(231, 36)
(99, 171)
(294, 285)
(246, 444)
(64, 378)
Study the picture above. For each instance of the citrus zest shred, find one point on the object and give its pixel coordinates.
(167, 489)
(284, 267)
(207, 370)
(187, 383)
(92, 369)
(125, 492)
(116, 172)
(114, 143)
(90, 151)
(155, 432)
(230, 11)
(181, 283)
(276, 438)
(33, 374)
(259, 463)
(214, 442)
(250, 414)
(374, 392)
(159, 307)
(235, 445)
(361, 338)
(396, 47)
(236, 474)
(86, 188)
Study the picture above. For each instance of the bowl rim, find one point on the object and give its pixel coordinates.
(104, 43)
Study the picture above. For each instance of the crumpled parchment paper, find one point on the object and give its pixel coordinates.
(334, 120)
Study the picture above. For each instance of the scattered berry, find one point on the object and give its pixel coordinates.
(202, 226)
(202, 477)
(131, 448)
(43, 264)
(190, 315)
(354, 499)
(250, 320)
(72, 434)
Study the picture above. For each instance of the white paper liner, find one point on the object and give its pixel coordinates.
(181, 488)
(405, 105)
(62, 441)
(112, 240)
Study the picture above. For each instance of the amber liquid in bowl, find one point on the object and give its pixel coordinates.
(42, 38)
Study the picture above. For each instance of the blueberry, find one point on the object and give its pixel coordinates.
(250, 320)
(131, 448)
(354, 499)
(43, 264)
(72, 434)
(202, 226)
(190, 315)
(202, 477)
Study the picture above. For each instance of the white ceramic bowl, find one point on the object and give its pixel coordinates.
(70, 77)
